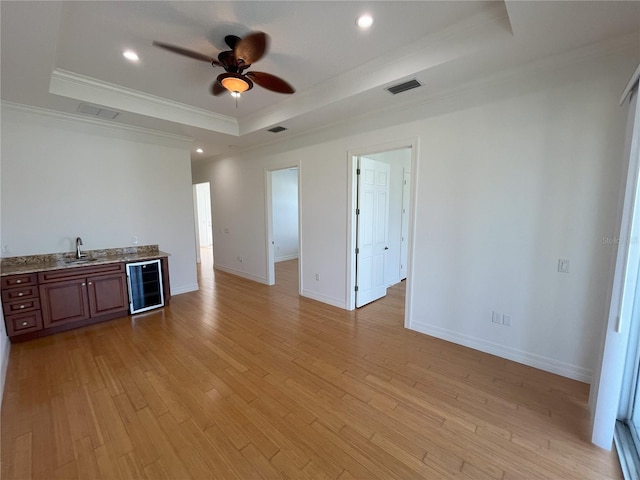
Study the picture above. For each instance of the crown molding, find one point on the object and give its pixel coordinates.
(87, 89)
(83, 120)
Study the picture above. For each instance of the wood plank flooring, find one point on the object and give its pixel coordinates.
(245, 381)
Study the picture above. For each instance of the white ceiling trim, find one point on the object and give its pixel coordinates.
(87, 89)
(82, 120)
(455, 42)
(432, 50)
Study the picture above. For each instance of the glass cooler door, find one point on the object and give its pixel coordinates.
(145, 285)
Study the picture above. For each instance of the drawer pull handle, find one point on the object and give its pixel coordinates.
(24, 324)
(21, 306)
(89, 283)
(83, 284)
(20, 294)
(18, 281)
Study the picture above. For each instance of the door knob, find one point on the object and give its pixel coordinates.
(386, 248)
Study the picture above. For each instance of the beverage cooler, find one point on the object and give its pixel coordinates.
(144, 280)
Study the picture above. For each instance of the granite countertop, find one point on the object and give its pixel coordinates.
(57, 261)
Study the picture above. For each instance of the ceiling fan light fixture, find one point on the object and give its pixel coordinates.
(235, 83)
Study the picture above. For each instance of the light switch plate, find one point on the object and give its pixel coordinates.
(563, 265)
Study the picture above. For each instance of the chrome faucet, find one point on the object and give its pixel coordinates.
(79, 254)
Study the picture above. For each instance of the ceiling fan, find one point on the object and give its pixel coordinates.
(244, 52)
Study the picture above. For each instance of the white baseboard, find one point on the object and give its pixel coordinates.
(284, 258)
(184, 289)
(531, 359)
(242, 274)
(335, 302)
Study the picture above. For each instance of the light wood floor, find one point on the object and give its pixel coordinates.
(241, 380)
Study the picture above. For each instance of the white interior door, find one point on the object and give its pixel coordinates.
(372, 216)
(404, 239)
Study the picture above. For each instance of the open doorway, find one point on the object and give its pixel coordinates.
(204, 224)
(387, 233)
(283, 238)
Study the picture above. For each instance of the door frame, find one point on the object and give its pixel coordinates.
(352, 179)
(270, 254)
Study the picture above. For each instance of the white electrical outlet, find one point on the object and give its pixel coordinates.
(5, 248)
(496, 317)
(317, 277)
(239, 258)
(506, 320)
(134, 240)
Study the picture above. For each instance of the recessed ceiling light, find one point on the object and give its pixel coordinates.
(364, 21)
(199, 150)
(130, 55)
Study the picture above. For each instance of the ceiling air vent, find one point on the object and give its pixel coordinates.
(403, 87)
(97, 111)
(277, 129)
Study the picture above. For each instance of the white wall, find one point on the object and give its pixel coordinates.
(238, 207)
(511, 175)
(63, 178)
(399, 161)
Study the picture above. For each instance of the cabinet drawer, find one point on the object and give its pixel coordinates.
(19, 293)
(21, 306)
(11, 281)
(80, 272)
(23, 323)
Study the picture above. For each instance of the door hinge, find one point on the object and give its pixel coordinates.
(357, 211)
(356, 288)
(358, 171)
(357, 250)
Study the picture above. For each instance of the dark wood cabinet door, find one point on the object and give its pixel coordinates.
(107, 294)
(64, 302)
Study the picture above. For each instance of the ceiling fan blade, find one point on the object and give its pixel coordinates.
(217, 88)
(251, 48)
(187, 53)
(270, 82)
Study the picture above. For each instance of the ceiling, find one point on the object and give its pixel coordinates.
(59, 55)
